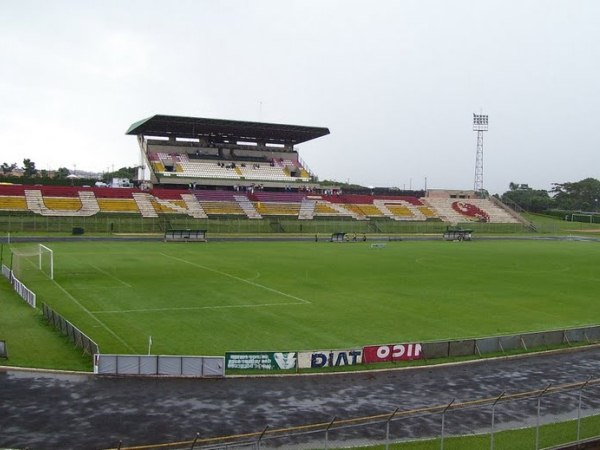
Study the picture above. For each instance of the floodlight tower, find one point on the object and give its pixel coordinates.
(480, 124)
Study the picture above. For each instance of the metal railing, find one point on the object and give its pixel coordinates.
(531, 414)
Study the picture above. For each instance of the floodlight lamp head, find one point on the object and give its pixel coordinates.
(480, 122)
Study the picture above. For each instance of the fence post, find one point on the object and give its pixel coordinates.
(579, 407)
(387, 429)
(537, 425)
(493, 419)
(195, 440)
(327, 432)
(260, 437)
(443, 423)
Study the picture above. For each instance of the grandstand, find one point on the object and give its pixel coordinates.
(84, 202)
(211, 168)
(207, 153)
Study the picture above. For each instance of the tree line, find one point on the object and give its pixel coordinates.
(583, 195)
(29, 174)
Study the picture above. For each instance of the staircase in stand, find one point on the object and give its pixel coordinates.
(307, 209)
(247, 207)
(144, 205)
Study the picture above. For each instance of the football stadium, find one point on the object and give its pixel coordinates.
(227, 260)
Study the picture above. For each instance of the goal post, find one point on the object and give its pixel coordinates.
(31, 259)
(46, 260)
(587, 217)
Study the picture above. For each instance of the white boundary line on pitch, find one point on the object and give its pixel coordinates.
(110, 275)
(102, 324)
(194, 308)
(252, 283)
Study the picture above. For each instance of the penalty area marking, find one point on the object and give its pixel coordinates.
(252, 283)
(91, 314)
(110, 275)
(194, 308)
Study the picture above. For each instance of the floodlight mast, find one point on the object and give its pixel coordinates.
(480, 124)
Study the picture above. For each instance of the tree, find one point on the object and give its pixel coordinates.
(534, 200)
(29, 169)
(581, 195)
(62, 173)
(7, 168)
(124, 172)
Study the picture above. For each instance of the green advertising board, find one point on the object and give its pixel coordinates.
(260, 360)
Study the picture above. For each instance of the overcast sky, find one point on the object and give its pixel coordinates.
(396, 82)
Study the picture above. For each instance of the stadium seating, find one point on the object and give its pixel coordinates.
(13, 203)
(222, 208)
(265, 196)
(484, 210)
(85, 201)
(226, 169)
(114, 205)
(85, 205)
(217, 195)
(278, 209)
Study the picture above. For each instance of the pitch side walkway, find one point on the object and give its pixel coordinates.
(50, 411)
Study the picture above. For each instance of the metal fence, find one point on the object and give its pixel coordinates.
(123, 223)
(502, 344)
(489, 422)
(160, 365)
(24, 292)
(80, 339)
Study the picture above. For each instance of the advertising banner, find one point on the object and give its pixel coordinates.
(329, 358)
(392, 352)
(260, 360)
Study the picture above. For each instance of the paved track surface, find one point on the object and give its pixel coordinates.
(58, 411)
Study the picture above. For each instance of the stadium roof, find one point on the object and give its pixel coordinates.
(194, 127)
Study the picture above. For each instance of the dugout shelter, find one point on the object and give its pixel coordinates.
(208, 153)
(457, 234)
(185, 235)
(338, 237)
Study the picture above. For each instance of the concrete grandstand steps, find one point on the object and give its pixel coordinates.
(144, 204)
(84, 206)
(307, 209)
(194, 208)
(469, 210)
(247, 207)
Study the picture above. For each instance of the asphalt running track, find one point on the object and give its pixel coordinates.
(41, 410)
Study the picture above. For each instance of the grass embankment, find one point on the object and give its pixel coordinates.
(522, 439)
(30, 341)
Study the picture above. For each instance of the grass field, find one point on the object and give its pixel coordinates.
(206, 299)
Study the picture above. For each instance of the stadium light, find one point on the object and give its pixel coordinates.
(480, 122)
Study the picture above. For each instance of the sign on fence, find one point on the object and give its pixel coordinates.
(329, 358)
(387, 353)
(261, 360)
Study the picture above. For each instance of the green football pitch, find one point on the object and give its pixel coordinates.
(209, 298)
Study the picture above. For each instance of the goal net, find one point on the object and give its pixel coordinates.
(32, 262)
